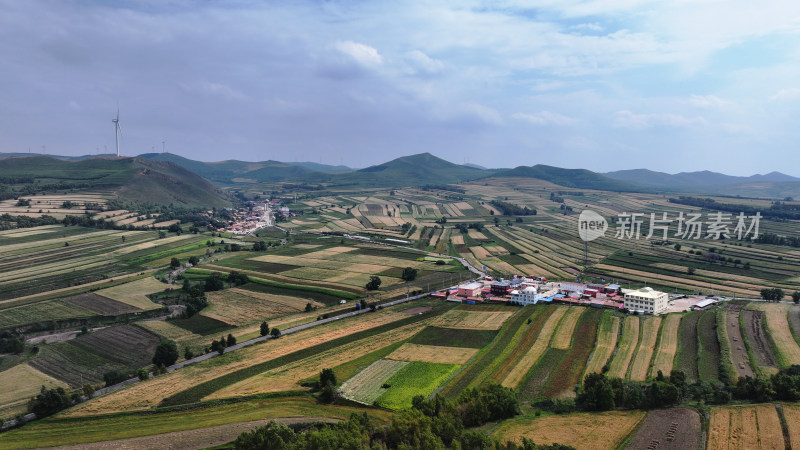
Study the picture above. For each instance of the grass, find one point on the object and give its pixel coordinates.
(349, 369)
(198, 392)
(26, 382)
(415, 378)
(54, 431)
(454, 337)
(366, 386)
(322, 295)
(135, 293)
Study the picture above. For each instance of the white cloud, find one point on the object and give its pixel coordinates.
(421, 64)
(362, 54)
(628, 119)
(786, 94)
(544, 118)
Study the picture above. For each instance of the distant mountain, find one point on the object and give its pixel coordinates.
(316, 167)
(132, 179)
(691, 180)
(233, 171)
(414, 170)
(474, 166)
(574, 178)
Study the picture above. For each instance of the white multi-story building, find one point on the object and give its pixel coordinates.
(528, 296)
(647, 300)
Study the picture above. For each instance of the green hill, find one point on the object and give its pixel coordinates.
(132, 179)
(574, 178)
(414, 170)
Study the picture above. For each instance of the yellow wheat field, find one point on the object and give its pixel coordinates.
(563, 337)
(745, 427)
(644, 351)
(515, 376)
(473, 320)
(665, 355)
(630, 336)
(606, 343)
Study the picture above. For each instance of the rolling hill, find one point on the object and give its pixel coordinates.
(574, 178)
(132, 179)
(690, 180)
(413, 170)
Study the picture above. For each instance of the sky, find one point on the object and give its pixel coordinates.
(673, 86)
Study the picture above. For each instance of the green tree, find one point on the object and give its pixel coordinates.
(276, 333)
(188, 353)
(174, 263)
(409, 274)
(264, 329)
(272, 436)
(166, 353)
(374, 283)
(193, 260)
(597, 393)
(143, 374)
(231, 340)
(49, 401)
(327, 376)
(214, 282)
(796, 297)
(678, 247)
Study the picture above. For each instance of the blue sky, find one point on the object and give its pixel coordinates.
(607, 84)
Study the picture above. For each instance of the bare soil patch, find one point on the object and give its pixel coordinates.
(759, 345)
(101, 305)
(675, 428)
(416, 310)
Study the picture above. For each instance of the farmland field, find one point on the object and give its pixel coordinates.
(618, 368)
(566, 328)
(415, 378)
(26, 382)
(580, 430)
(100, 305)
(606, 343)
(135, 293)
(791, 412)
(42, 311)
(366, 386)
(756, 339)
(745, 427)
(788, 350)
(454, 337)
(433, 353)
(546, 324)
(473, 320)
(239, 306)
(674, 428)
(709, 348)
(667, 345)
(640, 365)
(686, 356)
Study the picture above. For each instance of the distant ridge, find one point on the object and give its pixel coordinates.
(647, 177)
(574, 178)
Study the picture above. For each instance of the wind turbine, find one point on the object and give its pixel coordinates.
(116, 130)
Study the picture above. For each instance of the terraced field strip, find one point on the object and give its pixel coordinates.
(41, 311)
(630, 337)
(603, 430)
(745, 427)
(433, 353)
(135, 293)
(566, 328)
(778, 326)
(644, 351)
(547, 324)
(667, 345)
(606, 343)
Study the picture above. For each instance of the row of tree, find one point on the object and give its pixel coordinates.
(435, 423)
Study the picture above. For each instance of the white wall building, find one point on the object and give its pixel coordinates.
(527, 296)
(646, 299)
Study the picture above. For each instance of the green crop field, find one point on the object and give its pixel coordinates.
(454, 337)
(414, 378)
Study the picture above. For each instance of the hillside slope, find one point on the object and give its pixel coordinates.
(574, 178)
(132, 179)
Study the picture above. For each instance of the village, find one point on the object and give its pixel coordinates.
(532, 290)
